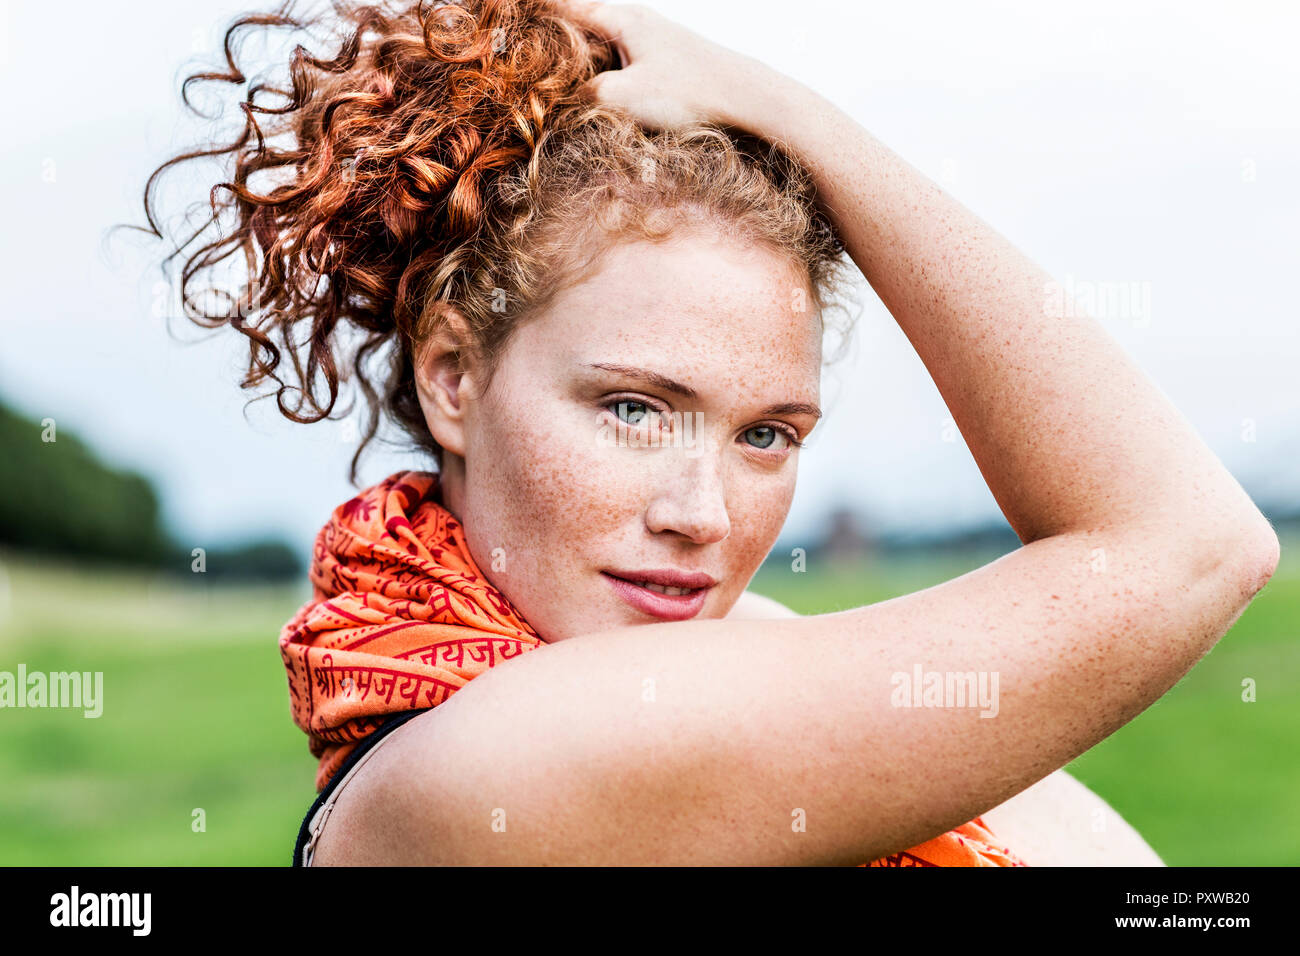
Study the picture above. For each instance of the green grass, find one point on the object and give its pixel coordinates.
(196, 716)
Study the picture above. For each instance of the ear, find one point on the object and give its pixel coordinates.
(443, 382)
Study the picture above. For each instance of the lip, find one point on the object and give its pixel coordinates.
(666, 607)
(667, 577)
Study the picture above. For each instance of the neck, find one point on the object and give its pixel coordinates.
(451, 485)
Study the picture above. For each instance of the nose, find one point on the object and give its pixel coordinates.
(692, 501)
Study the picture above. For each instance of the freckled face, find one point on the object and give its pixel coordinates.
(572, 469)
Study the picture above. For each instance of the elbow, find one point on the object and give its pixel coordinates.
(1261, 554)
(1249, 558)
(1232, 561)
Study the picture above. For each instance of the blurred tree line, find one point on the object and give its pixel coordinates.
(58, 498)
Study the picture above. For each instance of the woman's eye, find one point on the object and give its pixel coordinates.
(765, 436)
(633, 413)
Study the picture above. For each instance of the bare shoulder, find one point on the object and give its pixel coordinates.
(752, 606)
(1060, 822)
(689, 742)
(382, 816)
(365, 826)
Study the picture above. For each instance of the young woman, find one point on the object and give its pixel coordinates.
(595, 251)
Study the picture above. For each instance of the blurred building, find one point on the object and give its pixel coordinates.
(847, 537)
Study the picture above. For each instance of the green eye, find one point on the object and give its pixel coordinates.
(764, 436)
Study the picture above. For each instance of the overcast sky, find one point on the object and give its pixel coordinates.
(1145, 147)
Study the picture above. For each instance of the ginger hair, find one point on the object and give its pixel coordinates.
(443, 158)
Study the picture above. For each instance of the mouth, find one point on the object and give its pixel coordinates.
(665, 601)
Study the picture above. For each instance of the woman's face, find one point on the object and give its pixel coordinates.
(641, 423)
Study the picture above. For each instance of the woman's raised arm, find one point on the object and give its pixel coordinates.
(799, 741)
(1069, 434)
(819, 739)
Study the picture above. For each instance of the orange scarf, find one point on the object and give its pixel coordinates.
(401, 618)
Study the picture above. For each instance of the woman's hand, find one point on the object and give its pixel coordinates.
(670, 76)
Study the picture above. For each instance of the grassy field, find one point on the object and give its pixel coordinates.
(195, 717)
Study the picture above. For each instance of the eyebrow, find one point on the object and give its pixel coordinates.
(669, 385)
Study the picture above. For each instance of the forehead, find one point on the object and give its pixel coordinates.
(696, 302)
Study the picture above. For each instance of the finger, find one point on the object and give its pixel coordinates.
(602, 89)
(608, 21)
(588, 11)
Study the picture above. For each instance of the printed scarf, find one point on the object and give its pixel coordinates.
(401, 618)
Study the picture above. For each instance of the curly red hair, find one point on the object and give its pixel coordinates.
(444, 156)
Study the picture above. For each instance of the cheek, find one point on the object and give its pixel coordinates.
(758, 516)
(543, 492)
(547, 501)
